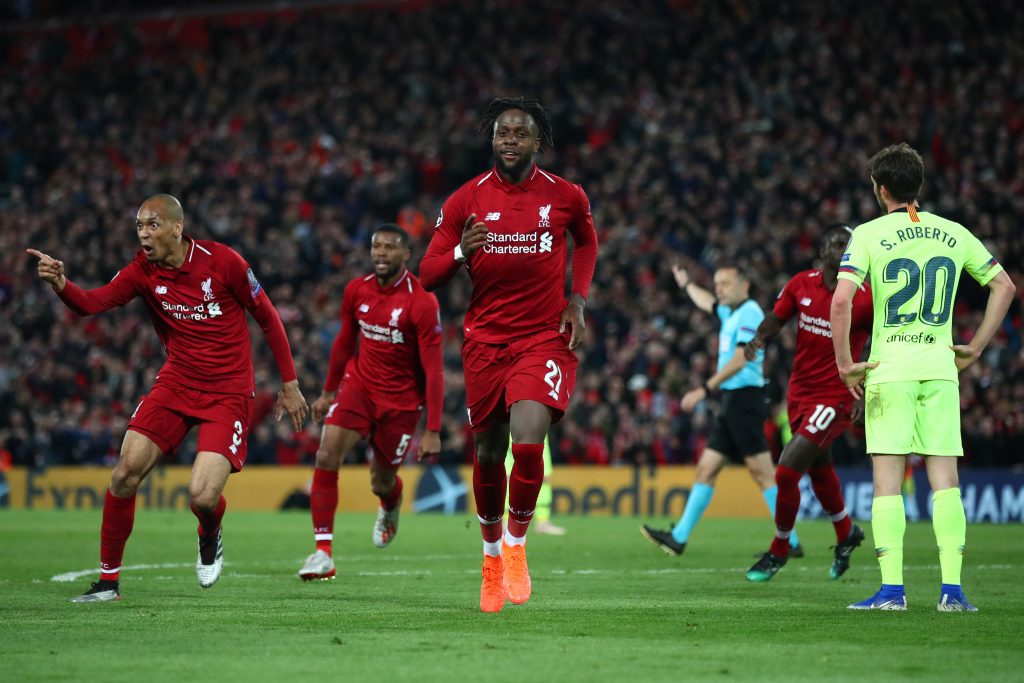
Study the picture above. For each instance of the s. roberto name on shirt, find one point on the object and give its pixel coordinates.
(921, 232)
(518, 242)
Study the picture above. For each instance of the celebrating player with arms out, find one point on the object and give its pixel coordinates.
(820, 407)
(377, 393)
(197, 293)
(508, 226)
(912, 403)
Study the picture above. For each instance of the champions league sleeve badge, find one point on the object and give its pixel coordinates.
(254, 284)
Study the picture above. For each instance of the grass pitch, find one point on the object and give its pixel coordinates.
(607, 606)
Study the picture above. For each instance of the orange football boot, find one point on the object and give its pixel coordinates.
(517, 574)
(492, 590)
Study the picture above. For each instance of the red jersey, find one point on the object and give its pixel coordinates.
(398, 328)
(814, 374)
(198, 311)
(519, 275)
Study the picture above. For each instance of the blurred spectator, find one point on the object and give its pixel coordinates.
(700, 130)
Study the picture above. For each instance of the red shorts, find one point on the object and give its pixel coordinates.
(536, 368)
(821, 421)
(169, 411)
(387, 430)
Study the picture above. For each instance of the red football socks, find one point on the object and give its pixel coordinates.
(489, 493)
(323, 503)
(787, 504)
(829, 491)
(209, 522)
(391, 501)
(118, 520)
(524, 486)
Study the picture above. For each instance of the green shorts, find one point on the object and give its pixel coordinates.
(913, 417)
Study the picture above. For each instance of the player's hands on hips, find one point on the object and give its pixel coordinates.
(322, 405)
(474, 236)
(751, 348)
(50, 269)
(430, 446)
(964, 356)
(291, 401)
(681, 276)
(572, 316)
(691, 398)
(853, 377)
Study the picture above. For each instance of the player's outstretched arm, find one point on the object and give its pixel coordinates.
(853, 374)
(117, 292)
(1001, 291)
(766, 331)
(702, 298)
(50, 269)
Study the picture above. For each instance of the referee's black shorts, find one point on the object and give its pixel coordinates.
(739, 426)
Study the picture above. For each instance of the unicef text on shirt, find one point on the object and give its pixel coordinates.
(918, 338)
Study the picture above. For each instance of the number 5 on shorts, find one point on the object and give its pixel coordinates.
(553, 379)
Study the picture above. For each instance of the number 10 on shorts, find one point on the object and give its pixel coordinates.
(553, 379)
(821, 418)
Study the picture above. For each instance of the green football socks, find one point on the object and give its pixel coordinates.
(888, 524)
(950, 524)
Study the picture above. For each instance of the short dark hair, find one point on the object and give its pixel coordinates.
(731, 265)
(500, 105)
(403, 236)
(900, 169)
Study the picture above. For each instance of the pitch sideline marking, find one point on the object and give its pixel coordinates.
(68, 577)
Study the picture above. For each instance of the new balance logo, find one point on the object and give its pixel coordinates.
(160, 289)
(363, 308)
(806, 301)
(493, 216)
(545, 242)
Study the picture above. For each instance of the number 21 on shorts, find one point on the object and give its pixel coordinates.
(553, 379)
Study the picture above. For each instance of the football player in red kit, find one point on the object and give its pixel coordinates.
(819, 405)
(509, 227)
(378, 392)
(197, 293)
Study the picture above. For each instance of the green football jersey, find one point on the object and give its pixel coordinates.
(914, 259)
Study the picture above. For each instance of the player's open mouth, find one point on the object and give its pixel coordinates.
(147, 248)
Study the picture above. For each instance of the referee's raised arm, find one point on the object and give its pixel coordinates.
(702, 298)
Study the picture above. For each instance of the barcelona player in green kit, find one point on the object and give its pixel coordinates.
(912, 402)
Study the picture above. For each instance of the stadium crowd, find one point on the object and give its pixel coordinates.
(700, 130)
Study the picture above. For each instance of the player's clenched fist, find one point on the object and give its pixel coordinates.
(474, 236)
(50, 269)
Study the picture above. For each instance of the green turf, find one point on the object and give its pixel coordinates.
(607, 606)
